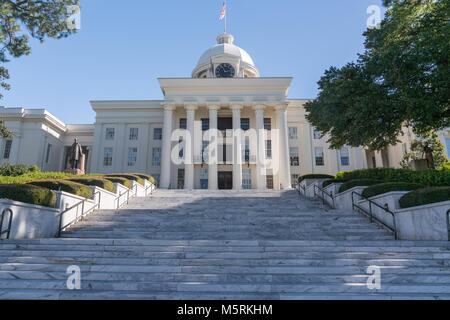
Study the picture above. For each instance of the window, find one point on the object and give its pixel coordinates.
(183, 123)
(294, 180)
(134, 133)
(317, 134)
(109, 134)
(269, 181)
(293, 133)
(246, 179)
(157, 134)
(319, 156)
(7, 150)
(447, 142)
(203, 178)
(180, 180)
(205, 124)
(156, 157)
(293, 154)
(267, 124)
(107, 157)
(245, 124)
(269, 149)
(205, 145)
(246, 150)
(47, 156)
(181, 148)
(132, 157)
(345, 157)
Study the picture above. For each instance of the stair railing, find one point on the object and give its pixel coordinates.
(8, 230)
(78, 217)
(322, 195)
(448, 223)
(371, 215)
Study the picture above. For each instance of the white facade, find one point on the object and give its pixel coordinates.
(260, 131)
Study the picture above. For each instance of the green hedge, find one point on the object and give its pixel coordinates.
(128, 176)
(426, 178)
(34, 176)
(425, 196)
(29, 194)
(314, 176)
(145, 176)
(358, 183)
(10, 170)
(123, 181)
(65, 185)
(388, 187)
(331, 181)
(93, 181)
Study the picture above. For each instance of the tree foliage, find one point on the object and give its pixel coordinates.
(417, 151)
(20, 19)
(400, 80)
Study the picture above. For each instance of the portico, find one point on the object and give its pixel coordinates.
(222, 143)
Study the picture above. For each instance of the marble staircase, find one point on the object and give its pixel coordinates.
(224, 245)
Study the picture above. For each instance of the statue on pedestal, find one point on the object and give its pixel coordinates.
(76, 154)
(75, 159)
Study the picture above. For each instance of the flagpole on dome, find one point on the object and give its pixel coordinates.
(223, 16)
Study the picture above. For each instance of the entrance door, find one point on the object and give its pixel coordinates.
(225, 180)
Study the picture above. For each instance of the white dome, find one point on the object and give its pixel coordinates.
(225, 48)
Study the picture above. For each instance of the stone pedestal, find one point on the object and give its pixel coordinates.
(81, 166)
(77, 172)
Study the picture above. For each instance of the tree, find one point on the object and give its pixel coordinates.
(40, 19)
(436, 157)
(400, 80)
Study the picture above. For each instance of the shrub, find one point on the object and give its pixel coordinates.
(33, 176)
(145, 176)
(9, 170)
(314, 176)
(123, 181)
(65, 185)
(425, 196)
(426, 178)
(29, 194)
(357, 183)
(388, 187)
(128, 176)
(93, 181)
(331, 181)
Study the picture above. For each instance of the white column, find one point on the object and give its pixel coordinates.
(237, 147)
(285, 166)
(213, 151)
(260, 149)
(189, 149)
(166, 161)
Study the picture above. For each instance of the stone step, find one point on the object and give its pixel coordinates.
(349, 270)
(213, 249)
(297, 244)
(112, 295)
(219, 254)
(230, 278)
(226, 287)
(320, 262)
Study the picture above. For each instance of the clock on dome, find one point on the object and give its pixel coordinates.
(225, 70)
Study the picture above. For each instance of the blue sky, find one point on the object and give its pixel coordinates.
(124, 46)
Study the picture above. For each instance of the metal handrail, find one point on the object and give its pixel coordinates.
(146, 189)
(7, 231)
(303, 188)
(448, 223)
(77, 218)
(323, 195)
(120, 196)
(370, 213)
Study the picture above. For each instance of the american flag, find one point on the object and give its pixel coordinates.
(224, 11)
